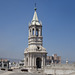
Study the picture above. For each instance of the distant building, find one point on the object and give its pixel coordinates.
(66, 61)
(4, 63)
(53, 59)
(21, 63)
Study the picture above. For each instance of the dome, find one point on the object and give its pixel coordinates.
(35, 48)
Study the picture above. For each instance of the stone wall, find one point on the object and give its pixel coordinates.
(60, 69)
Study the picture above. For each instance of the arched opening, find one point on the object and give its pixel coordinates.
(38, 62)
(36, 32)
(33, 31)
(5, 65)
(30, 31)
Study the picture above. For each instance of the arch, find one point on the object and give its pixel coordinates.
(36, 32)
(5, 65)
(30, 31)
(33, 31)
(38, 62)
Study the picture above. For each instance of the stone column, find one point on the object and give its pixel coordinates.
(39, 32)
(34, 31)
(33, 60)
(31, 32)
(28, 60)
(42, 61)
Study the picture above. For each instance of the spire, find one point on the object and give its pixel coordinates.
(35, 18)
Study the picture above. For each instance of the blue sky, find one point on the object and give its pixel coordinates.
(58, 21)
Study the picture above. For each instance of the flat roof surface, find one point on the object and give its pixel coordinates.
(17, 72)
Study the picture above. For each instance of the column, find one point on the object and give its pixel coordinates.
(33, 60)
(28, 60)
(34, 31)
(39, 32)
(42, 60)
(31, 32)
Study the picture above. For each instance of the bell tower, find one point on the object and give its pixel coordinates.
(35, 31)
(35, 54)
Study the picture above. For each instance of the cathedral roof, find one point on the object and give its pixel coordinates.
(35, 20)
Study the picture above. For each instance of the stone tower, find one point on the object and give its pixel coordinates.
(35, 54)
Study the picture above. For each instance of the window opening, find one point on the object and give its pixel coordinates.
(36, 32)
(33, 31)
(30, 31)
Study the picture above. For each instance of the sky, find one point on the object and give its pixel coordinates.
(58, 21)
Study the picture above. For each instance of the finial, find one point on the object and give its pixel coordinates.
(35, 7)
